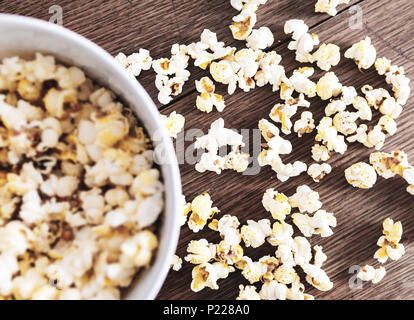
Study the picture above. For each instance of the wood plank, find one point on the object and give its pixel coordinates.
(359, 212)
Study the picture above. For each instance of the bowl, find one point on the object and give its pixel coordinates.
(23, 36)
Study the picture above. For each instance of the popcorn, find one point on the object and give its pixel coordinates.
(329, 136)
(320, 223)
(390, 242)
(171, 73)
(243, 24)
(174, 123)
(247, 61)
(318, 171)
(319, 257)
(255, 233)
(375, 138)
(382, 65)
(277, 204)
(361, 175)
(176, 263)
(207, 275)
(228, 228)
(225, 72)
(207, 98)
(396, 77)
(282, 233)
(251, 5)
(261, 38)
(285, 274)
(363, 108)
(388, 124)
(200, 251)
(328, 86)
(345, 122)
(217, 137)
(388, 165)
(305, 199)
(320, 153)
(305, 124)
(316, 277)
(329, 6)
(185, 209)
(201, 211)
(261, 270)
(369, 273)
(327, 56)
(208, 49)
(135, 62)
(300, 82)
(270, 71)
(273, 290)
(248, 293)
(363, 53)
(303, 41)
(229, 254)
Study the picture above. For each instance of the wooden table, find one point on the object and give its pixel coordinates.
(129, 25)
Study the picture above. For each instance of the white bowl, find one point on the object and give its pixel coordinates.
(24, 36)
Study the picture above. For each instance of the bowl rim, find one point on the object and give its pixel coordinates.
(154, 276)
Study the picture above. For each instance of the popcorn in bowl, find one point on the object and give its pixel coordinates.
(81, 196)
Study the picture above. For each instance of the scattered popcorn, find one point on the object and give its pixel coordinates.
(250, 5)
(243, 24)
(318, 171)
(329, 6)
(261, 270)
(300, 82)
(305, 124)
(396, 77)
(363, 53)
(345, 122)
(185, 209)
(174, 123)
(135, 62)
(260, 39)
(320, 223)
(282, 233)
(201, 211)
(305, 199)
(329, 136)
(387, 165)
(327, 56)
(390, 242)
(176, 263)
(277, 204)
(248, 293)
(207, 275)
(82, 172)
(303, 41)
(208, 49)
(388, 124)
(273, 290)
(369, 273)
(361, 175)
(363, 108)
(217, 137)
(359, 135)
(328, 86)
(320, 153)
(228, 228)
(316, 277)
(207, 98)
(255, 233)
(171, 73)
(200, 251)
(270, 71)
(375, 138)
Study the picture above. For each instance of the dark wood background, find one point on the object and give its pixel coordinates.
(157, 24)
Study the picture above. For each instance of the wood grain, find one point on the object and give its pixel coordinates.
(156, 25)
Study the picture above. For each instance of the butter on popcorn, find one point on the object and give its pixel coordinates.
(361, 175)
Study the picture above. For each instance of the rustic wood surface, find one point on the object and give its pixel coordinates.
(156, 25)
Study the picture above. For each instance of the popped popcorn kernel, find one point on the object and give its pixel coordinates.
(369, 273)
(320, 223)
(303, 42)
(388, 165)
(248, 293)
(328, 86)
(363, 53)
(260, 39)
(207, 98)
(327, 56)
(345, 122)
(305, 124)
(201, 211)
(329, 6)
(389, 243)
(176, 263)
(318, 171)
(305, 199)
(255, 233)
(277, 204)
(207, 275)
(135, 62)
(328, 134)
(361, 175)
(320, 153)
(174, 123)
(382, 65)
